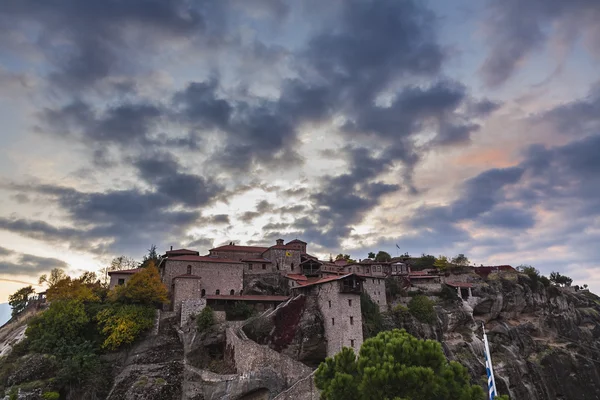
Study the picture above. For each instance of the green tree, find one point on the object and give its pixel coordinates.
(345, 257)
(19, 299)
(86, 288)
(460, 260)
(560, 280)
(383, 256)
(123, 323)
(421, 307)
(56, 275)
(424, 262)
(205, 319)
(395, 365)
(441, 263)
(151, 257)
(371, 255)
(144, 287)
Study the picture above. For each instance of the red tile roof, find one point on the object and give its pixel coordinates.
(125, 271)
(460, 284)
(187, 276)
(297, 277)
(247, 297)
(247, 249)
(296, 241)
(182, 252)
(205, 259)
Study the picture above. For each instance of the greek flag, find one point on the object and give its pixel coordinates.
(492, 393)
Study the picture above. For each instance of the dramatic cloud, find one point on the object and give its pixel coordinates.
(27, 264)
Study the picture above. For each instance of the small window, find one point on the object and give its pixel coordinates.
(121, 282)
(292, 266)
(264, 266)
(373, 280)
(189, 269)
(332, 321)
(218, 291)
(231, 292)
(352, 342)
(329, 303)
(203, 293)
(351, 320)
(350, 302)
(250, 266)
(277, 265)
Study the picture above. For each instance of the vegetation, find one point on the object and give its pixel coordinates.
(560, 280)
(534, 275)
(395, 365)
(441, 263)
(424, 262)
(393, 288)
(145, 287)
(18, 300)
(460, 260)
(422, 309)
(372, 322)
(151, 258)
(83, 321)
(383, 256)
(345, 257)
(206, 319)
(239, 310)
(371, 255)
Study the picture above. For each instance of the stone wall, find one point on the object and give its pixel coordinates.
(375, 288)
(191, 308)
(342, 317)
(257, 268)
(248, 356)
(304, 389)
(114, 279)
(287, 264)
(236, 255)
(185, 288)
(215, 276)
(428, 287)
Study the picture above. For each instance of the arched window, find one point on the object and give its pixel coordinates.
(218, 292)
(189, 269)
(203, 293)
(232, 292)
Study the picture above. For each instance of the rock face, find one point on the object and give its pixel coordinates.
(295, 328)
(266, 284)
(544, 341)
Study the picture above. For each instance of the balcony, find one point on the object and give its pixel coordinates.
(351, 286)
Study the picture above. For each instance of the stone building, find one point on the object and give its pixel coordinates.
(374, 286)
(338, 298)
(121, 277)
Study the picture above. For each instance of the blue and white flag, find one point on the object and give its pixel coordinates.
(492, 393)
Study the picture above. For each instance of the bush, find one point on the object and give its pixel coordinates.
(205, 319)
(145, 287)
(422, 309)
(51, 396)
(449, 294)
(393, 288)
(239, 310)
(123, 323)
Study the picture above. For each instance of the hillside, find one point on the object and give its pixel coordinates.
(4, 313)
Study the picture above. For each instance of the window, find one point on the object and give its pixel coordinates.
(373, 280)
(121, 281)
(218, 291)
(332, 321)
(277, 265)
(264, 266)
(351, 320)
(379, 268)
(350, 302)
(292, 266)
(329, 303)
(231, 292)
(352, 342)
(250, 266)
(368, 269)
(203, 293)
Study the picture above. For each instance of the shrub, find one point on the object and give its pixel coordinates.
(422, 309)
(51, 396)
(239, 310)
(205, 319)
(144, 287)
(447, 293)
(123, 323)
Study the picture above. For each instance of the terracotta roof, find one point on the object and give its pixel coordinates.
(257, 260)
(247, 297)
(187, 276)
(296, 241)
(460, 284)
(125, 271)
(182, 252)
(320, 281)
(296, 277)
(306, 255)
(205, 259)
(247, 249)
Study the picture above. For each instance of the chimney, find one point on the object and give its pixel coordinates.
(171, 248)
(279, 242)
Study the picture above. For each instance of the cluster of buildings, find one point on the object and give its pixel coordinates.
(218, 278)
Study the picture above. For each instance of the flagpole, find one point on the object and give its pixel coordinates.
(492, 392)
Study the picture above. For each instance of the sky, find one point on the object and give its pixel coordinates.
(433, 126)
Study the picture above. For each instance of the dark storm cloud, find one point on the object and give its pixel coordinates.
(4, 251)
(162, 171)
(28, 264)
(219, 219)
(516, 29)
(508, 217)
(87, 41)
